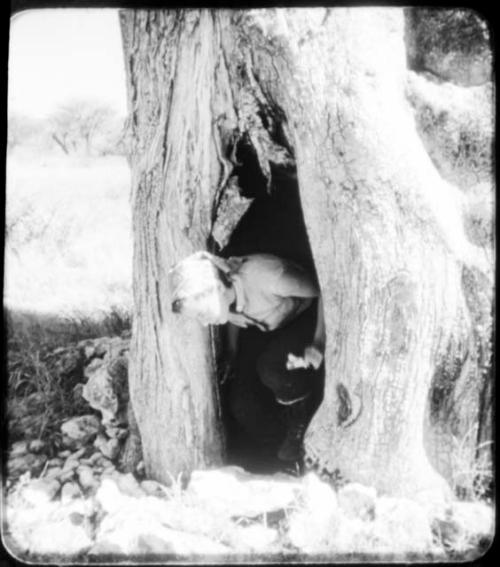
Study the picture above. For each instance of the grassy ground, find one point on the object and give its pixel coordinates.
(68, 245)
(40, 387)
(67, 271)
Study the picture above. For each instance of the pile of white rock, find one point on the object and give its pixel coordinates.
(225, 512)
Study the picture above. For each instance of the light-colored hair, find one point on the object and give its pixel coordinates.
(197, 274)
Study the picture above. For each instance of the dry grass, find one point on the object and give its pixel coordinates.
(472, 470)
(68, 246)
(39, 393)
(67, 273)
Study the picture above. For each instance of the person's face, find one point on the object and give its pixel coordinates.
(210, 307)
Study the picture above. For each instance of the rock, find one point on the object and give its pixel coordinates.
(87, 347)
(105, 547)
(82, 452)
(108, 495)
(101, 347)
(154, 545)
(183, 543)
(153, 488)
(118, 433)
(319, 498)
(76, 518)
(135, 531)
(86, 477)
(256, 538)
(357, 501)
(166, 540)
(234, 492)
(108, 475)
(40, 491)
(108, 447)
(140, 469)
(106, 389)
(128, 485)
(86, 507)
(70, 491)
(316, 517)
(96, 459)
(401, 526)
(70, 464)
(55, 462)
(37, 446)
(350, 536)
(62, 538)
(78, 400)
(70, 363)
(53, 472)
(26, 462)
(476, 518)
(465, 525)
(64, 454)
(66, 476)
(80, 430)
(107, 464)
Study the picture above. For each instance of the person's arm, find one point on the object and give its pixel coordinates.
(296, 282)
(313, 353)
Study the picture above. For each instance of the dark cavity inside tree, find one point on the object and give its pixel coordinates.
(272, 223)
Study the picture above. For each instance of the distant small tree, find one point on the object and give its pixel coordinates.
(82, 125)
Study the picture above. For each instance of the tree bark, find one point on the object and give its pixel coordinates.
(385, 274)
(169, 61)
(323, 89)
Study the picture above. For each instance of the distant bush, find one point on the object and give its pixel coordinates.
(88, 127)
(79, 127)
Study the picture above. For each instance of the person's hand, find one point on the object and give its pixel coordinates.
(312, 357)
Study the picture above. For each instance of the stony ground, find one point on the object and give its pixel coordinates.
(68, 498)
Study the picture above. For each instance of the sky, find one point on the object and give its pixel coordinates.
(56, 55)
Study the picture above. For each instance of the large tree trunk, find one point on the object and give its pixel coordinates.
(324, 89)
(386, 235)
(170, 60)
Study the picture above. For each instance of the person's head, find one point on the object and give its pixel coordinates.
(201, 288)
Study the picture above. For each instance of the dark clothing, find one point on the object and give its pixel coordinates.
(288, 385)
(262, 376)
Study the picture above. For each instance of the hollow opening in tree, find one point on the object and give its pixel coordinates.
(255, 423)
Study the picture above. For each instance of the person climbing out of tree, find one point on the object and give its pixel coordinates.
(276, 296)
